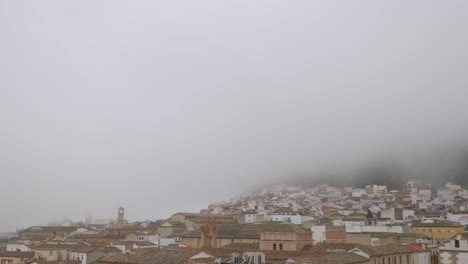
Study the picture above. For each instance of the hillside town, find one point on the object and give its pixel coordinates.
(420, 224)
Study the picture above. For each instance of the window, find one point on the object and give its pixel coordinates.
(280, 246)
(383, 260)
(457, 243)
(400, 260)
(274, 246)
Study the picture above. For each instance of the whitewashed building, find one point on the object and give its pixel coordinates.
(455, 251)
(18, 247)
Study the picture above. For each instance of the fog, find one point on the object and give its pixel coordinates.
(167, 106)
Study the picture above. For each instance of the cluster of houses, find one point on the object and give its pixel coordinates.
(279, 224)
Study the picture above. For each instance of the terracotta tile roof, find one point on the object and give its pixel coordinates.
(110, 249)
(286, 228)
(384, 250)
(354, 219)
(49, 229)
(388, 234)
(91, 236)
(99, 244)
(174, 224)
(51, 246)
(436, 224)
(202, 261)
(331, 247)
(143, 243)
(152, 256)
(84, 249)
(228, 250)
(216, 219)
(230, 231)
(335, 258)
(58, 262)
(17, 254)
(284, 210)
(243, 247)
(357, 215)
(416, 248)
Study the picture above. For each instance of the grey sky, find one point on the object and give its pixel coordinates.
(165, 106)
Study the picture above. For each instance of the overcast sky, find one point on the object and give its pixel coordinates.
(166, 106)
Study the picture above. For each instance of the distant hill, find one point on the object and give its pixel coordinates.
(393, 174)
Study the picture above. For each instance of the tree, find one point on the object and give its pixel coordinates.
(369, 214)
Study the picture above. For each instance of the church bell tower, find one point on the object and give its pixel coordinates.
(121, 217)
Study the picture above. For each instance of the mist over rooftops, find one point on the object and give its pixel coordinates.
(169, 106)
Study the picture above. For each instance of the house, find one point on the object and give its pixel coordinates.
(152, 256)
(412, 183)
(285, 237)
(261, 217)
(380, 239)
(376, 189)
(13, 257)
(92, 236)
(17, 247)
(170, 228)
(460, 218)
(425, 192)
(55, 251)
(335, 258)
(286, 214)
(201, 258)
(247, 217)
(352, 223)
(87, 255)
(365, 255)
(194, 221)
(421, 254)
(140, 244)
(3, 243)
(250, 257)
(109, 251)
(217, 235)
(386, 255)
(437, 230)
(131, 245)
(335, 234)
(42, 233)
(215, 209)
(150, 236)
(424, 215)
(392, 213)
(455, 251)
(319, 234)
